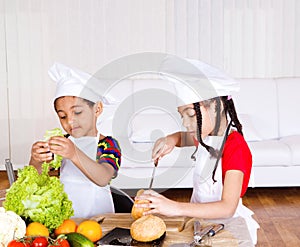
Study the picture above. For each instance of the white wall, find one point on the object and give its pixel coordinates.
(247, 38)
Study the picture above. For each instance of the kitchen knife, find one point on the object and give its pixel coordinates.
(10, 171)
(197, 229)
(201, 235)
(153, 174)
(198, 236)
(215, 229)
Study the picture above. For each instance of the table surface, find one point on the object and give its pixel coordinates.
(180, 229)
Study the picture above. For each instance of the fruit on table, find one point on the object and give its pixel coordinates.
(11, 225)
(60, 242)
(40, 242)
(90, 229)
(18, 243)
(37, 229)
(76, 239)
(67, 226)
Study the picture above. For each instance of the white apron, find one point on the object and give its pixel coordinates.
(88, 198)
(205, 190)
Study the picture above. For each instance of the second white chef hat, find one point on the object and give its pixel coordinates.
(195, 81)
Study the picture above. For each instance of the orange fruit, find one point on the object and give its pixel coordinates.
(66, 227)
(37, 229)
(90, 229)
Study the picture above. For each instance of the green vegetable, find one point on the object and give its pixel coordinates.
(39, 197)
(76, 239)
(56, 162)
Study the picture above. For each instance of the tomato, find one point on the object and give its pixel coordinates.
(60, 242)
(18, 243)
(40, 242)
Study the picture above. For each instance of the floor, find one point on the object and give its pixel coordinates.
(277, 210)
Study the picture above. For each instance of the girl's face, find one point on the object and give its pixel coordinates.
(77, 117)
(189, 120)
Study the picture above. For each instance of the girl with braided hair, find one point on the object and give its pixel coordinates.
(223, 164)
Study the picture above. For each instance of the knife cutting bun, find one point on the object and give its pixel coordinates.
(138, 212)
(147, 228)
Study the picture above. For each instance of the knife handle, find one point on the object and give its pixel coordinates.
(215, 229)
(199, 235)
(197, 227)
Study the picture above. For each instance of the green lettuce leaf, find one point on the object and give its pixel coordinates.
(39, 197)
(56, 162)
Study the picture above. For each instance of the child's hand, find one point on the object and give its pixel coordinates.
(157, 204)
(162, 147)
(40, 152)
(62, 146)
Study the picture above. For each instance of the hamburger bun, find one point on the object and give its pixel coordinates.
(138, 212)
(147, 228)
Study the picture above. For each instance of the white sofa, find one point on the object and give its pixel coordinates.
(269, 112)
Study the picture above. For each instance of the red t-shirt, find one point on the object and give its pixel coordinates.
(237, 156)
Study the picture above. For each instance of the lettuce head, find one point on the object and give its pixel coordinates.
(39, 197)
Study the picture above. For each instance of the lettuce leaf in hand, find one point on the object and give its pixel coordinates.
(56, 162)
(39, 197)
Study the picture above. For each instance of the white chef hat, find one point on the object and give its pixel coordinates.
(73, 82)
(195, 81)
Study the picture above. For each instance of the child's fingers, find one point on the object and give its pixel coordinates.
(40, 145)
(61, 146)
(46, 156)
(57, 141)
(42, 155)
(40, 148)
(158, 149)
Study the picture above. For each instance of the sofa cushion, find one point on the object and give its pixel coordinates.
(258, 99)
(270, 153)
(148, 127)
(293, 143)
(288, 106)
(249, 131)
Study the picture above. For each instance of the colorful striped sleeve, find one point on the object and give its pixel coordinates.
(109, 151)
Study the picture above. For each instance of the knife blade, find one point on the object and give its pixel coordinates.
(153, 174)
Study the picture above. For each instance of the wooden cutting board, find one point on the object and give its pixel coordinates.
(124, 220)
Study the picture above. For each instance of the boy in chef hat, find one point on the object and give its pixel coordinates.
(90, 159)
(222, 158)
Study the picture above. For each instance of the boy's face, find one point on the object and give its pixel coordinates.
(189, 120)
(77, 117)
